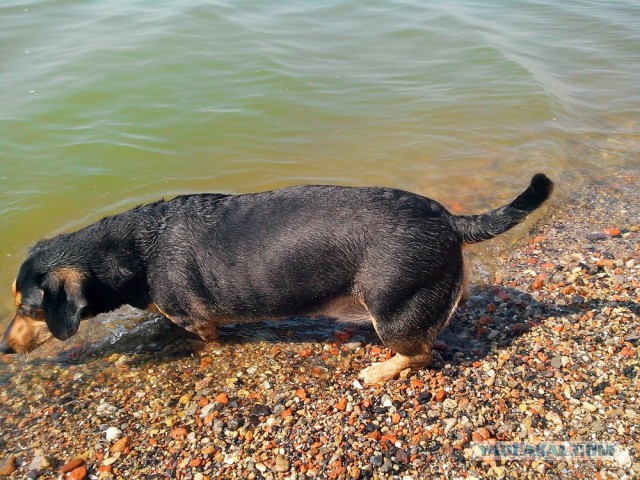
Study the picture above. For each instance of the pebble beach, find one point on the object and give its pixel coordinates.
(547, 350)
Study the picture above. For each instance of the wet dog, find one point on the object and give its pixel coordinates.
(378, 255)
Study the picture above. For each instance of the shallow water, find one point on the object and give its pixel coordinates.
(108, 104)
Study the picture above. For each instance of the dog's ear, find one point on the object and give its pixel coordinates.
(63, 301)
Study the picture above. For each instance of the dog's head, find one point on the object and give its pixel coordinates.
(50, 302)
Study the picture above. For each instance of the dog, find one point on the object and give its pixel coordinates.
(370, 254)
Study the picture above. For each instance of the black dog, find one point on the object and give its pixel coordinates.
(379, 255)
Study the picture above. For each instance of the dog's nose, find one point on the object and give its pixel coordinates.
(5, 348)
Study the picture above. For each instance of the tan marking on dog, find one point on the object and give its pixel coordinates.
(71, 277)
(24, 333)
(466, 289)
(17, 295)
(348, 309)
(206, 329)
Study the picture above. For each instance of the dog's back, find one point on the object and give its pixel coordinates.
(292, 250)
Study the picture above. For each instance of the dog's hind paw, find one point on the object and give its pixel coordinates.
(381, 372)
(377, 373)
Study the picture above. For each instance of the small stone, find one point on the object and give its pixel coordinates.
(260, 410)
(111, 460)
(491, 374)
(231, 458)
(341, 406)
(519, 328)
(503, 296)
(72, 465)
(416, 383)
(221, 398)
(8, 465)
(353, 346)
(441, 395)
(622, 458)
(449, 423)
(440, 345)
(208, 450)
(424, 397)
(79, 473)
(106, 409)
(556, 362)
(112, 433)
(539, 281)
(40, 462)
(387, 466)
(282, 464)
(204, 383)
(178, 432)
(449, 404)
(207, 409)
(589, 406)
(305, 352)
(120, 446)
(402, 456)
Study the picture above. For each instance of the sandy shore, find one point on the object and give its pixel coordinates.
(548, 351)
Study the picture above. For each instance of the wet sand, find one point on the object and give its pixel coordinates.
(547, 351)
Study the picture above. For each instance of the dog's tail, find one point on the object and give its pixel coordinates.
(477, 228)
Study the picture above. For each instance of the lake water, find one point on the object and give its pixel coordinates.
(105, 105)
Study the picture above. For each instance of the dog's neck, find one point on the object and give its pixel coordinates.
(116, 275)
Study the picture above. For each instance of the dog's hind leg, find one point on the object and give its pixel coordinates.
(410, 333)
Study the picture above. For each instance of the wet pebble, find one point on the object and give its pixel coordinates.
(282, 464)
(112, 433)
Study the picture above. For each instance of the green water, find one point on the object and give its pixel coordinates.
(104, 105)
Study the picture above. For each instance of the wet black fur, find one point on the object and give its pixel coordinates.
(275, 254)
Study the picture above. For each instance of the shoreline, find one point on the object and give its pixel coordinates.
(547, 351)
